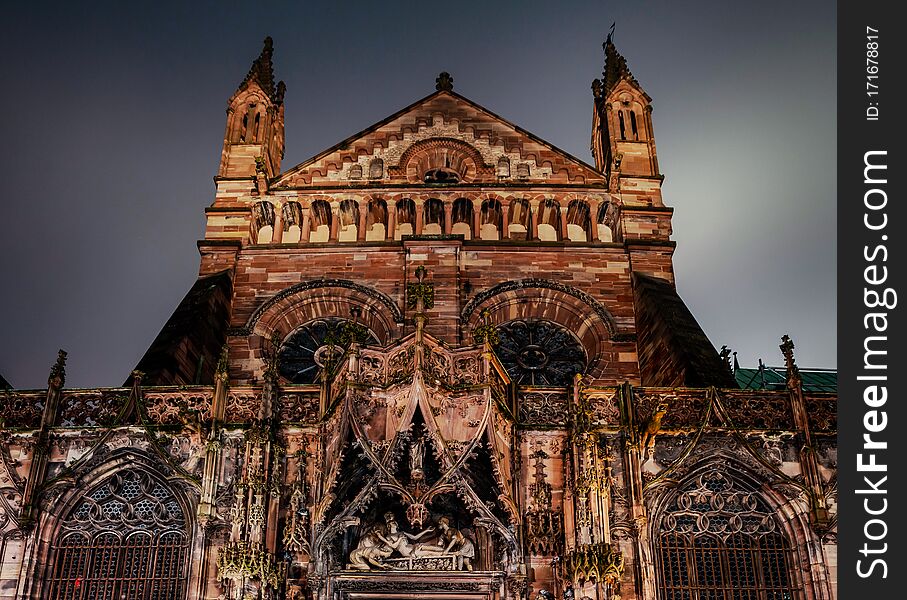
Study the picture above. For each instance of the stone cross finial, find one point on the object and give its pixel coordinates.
(486, 331)
(420, 292)
(444, 82)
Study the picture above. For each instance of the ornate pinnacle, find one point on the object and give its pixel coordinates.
(262, 71)
(725, 355)
(223, 363)
(444, 82)
(597, 88)
(57, 376)
(787, 348)
(615, 68)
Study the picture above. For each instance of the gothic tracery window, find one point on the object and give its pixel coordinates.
(126, 539)
(318, 345)
(539, 352)
(719, 541)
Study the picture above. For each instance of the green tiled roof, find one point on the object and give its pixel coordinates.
(775, 378)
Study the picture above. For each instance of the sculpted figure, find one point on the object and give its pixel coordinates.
(401, 542)
(370, 551)
(651, 428)
(415, 460)
(456, 543)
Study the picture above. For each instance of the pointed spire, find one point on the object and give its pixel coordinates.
(262, 72)
(615, 68)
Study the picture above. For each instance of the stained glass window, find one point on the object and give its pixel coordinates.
(721, 542)
(539, 352)
(125, 540)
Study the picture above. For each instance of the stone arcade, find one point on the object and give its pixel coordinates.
(442, 359)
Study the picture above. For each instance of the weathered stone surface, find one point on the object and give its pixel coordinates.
(442, 358)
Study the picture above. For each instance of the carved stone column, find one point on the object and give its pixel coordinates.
(213, 445)
(41, 453)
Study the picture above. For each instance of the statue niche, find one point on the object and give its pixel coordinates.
(386, 547)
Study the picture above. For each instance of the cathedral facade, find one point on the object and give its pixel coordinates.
(442, 359)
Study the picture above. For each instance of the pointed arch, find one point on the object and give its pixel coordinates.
(124, 528)
(552, 301)
(724, 527)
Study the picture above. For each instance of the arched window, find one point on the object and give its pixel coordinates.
(462, 218)
(126, 539)
(603, 221)
(520, 220)
(719, 539)
(578, 222)
(355, 172)
(292, 222)
(349, 221)
(321, 221)
(406, 218)
(549, 225)
(503, 169)
(244, 128)
(376, 221)
(433, 217)
(263, 213)
(492, 220)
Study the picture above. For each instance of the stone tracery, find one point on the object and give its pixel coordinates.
(125, 539)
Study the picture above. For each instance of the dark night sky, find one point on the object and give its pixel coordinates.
(114, 117)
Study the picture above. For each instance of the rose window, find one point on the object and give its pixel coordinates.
(537, 352)
(317, 346)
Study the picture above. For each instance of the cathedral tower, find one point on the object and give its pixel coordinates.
(254, 137)
(623, 142)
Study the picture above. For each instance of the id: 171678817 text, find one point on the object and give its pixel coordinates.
(872, 74)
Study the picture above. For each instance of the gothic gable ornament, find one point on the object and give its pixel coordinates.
(452, 139)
